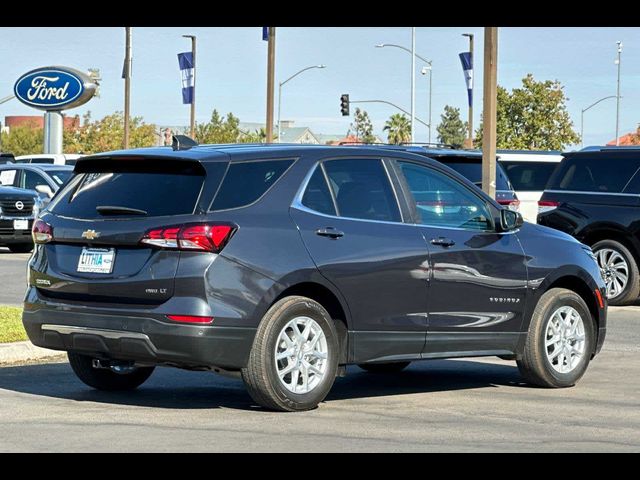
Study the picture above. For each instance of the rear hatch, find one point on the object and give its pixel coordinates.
(99, 219)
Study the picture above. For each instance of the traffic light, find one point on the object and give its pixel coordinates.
(344, 105)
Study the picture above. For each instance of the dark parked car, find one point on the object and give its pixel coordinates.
(18, 209)
(41, 178)
(594, 195)
(282, 264)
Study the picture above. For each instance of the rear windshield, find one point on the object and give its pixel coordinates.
(246, 182)
(594, 174)
(529, 176)
(156, 187)
(472, 170)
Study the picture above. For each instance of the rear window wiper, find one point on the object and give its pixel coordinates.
(116, 210)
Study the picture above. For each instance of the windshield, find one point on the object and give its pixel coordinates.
(61, 176)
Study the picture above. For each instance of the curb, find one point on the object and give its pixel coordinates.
(24, 351)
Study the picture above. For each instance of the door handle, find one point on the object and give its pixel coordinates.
(329, 232)
(443, 242)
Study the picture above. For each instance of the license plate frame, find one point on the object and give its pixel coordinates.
(96, 260)
(21, 224)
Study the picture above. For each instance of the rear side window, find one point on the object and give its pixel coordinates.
(362, 190)
(157, 187)
(317, 196)
(246, 182)
(529, 176)
(594, 174)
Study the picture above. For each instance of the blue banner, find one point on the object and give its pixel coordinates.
(185, 61)
(467, 66)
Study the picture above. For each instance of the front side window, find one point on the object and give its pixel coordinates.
(441, 201)
(362, 190)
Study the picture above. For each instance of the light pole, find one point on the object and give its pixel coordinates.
(127, 84)
(619, 43)
(470, 136)
(428, 62)
(582, 116)
(193, 97)
(280, 90)
(427, 70)
(413, 83)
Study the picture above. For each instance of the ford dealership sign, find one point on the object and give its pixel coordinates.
(54, 88)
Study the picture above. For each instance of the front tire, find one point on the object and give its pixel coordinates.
(560, 340)
(294, 358)
(620, 271)
(394, 367)
(104, 379)
(20, 247)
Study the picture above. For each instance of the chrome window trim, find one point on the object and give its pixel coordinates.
(298, 205)
(589, 192)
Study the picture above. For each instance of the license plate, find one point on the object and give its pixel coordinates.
(21, 224)
(96, 260)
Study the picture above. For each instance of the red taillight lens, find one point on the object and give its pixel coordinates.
(203, 237)
(190, 319)
(41, 232)
(510, 204)
(547, 206)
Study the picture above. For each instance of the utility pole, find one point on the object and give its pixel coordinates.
(413, 83)
(489, 111)
(192, 126)
(127, 85)
(618, 95)
(470, 120)
(271, 68)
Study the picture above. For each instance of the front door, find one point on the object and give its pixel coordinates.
(350, 222)
(478, 276)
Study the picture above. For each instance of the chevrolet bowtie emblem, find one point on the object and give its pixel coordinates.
(90, 234)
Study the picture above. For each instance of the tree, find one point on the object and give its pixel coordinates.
(23, 140)
(635, 137)
(533, 117)
(452, 130)
(362, 127)
(107, 134)
(399, 129)
(219, 129)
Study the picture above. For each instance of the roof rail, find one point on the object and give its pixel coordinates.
(430, 144)
(403, 144)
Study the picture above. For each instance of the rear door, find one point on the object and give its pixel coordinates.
(478, 277)
(352, 226)
(96, 255)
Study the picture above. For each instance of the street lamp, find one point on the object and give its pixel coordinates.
(582, 117)
(428, 62)
(619, 43)
(280, 90)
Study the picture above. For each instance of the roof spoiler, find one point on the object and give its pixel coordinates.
(182, 142)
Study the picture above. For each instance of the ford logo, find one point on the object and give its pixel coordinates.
(54, 88)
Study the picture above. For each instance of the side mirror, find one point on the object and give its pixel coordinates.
(510, 220)
(44, 190)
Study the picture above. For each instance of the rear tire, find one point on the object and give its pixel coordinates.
(289, 383)
(541, 364)
(20, 247)
(394, 367)
(631, 290)
(103, 379)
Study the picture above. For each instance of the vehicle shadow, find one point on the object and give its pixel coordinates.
(177, 389)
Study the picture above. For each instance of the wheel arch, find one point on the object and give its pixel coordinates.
(599, 232)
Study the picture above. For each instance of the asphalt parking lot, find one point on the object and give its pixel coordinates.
(13, 276)
(451, 405)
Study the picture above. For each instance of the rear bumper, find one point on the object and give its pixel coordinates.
(127, 335)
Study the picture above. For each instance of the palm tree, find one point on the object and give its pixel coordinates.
(399, 128)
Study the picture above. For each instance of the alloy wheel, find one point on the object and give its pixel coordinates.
(615, 271)
(565, 339)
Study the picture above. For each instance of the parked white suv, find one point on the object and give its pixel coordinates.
(50, 158)
(529, 171)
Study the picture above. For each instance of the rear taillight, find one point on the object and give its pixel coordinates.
(510, 204)
(41, 232)
(546, 206)
(204, 237)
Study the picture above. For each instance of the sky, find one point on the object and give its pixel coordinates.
(231, 71)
